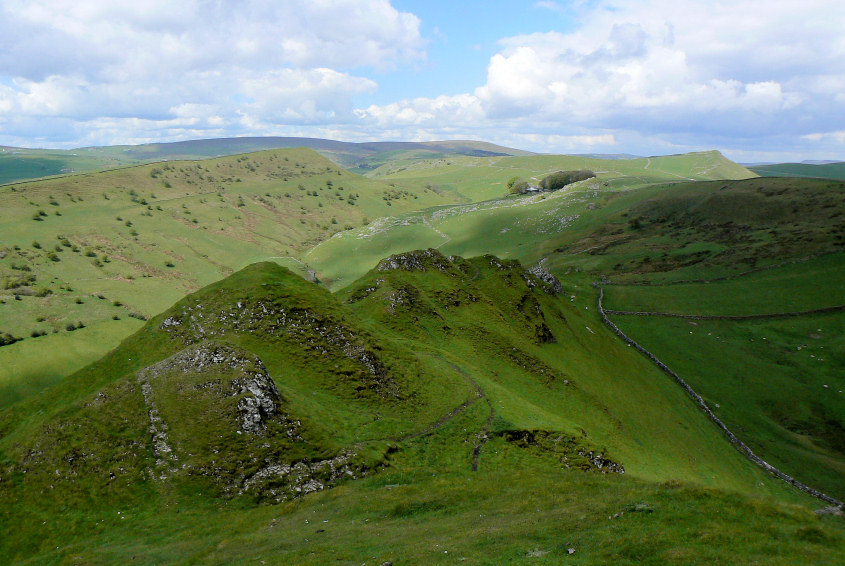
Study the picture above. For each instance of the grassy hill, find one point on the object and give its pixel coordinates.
(464, 403)
(19, 164)
(100, 247)
(818, 171)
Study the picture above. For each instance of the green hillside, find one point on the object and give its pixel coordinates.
(467, 404)
(102, 246)
(821, 171)
(19, 164)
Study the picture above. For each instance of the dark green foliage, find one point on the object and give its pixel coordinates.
(560, 179)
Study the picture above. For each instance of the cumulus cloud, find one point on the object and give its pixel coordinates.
(211, 63)
(626, 75)
(728, 73)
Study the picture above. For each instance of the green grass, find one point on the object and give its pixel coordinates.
(434, 330)
(824, 171)
(145, 236)
(34, 364)
(777, 384)
(807, 285)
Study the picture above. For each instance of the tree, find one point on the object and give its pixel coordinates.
(560, 179)
(517, 186)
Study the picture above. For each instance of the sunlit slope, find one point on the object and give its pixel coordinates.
(264, 387)
(668, 230)
(129, 242)
(482, 178)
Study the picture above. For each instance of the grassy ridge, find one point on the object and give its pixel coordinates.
(91, 247)
(469, 356)
(19, 164)
(663, 231)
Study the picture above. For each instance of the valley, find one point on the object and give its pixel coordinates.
(273, 353)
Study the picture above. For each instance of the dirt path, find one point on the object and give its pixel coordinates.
(483, 435)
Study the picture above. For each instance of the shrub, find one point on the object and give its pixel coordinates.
(560, 179)
(519, 187)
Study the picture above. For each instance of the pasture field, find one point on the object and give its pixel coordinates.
(811, 284)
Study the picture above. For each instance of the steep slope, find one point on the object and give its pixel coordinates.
(429, 372)
(98, 247)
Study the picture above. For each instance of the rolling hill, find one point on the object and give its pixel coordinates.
(20, 164)
(280, 369)
(433, 389)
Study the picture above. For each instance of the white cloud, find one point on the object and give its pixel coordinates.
(630, 75)
(836, 137)
(211, 63)
(729, 73)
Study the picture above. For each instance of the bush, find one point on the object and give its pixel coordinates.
(560, 179)
(519, 187)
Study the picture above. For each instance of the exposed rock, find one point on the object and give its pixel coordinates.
(553, 286)
(418, 260)
(835, 511)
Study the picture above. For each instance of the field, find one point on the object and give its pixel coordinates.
(824, 171)
(260, 365)
(777, 380)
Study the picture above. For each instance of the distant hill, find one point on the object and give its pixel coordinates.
(17, 164)
(818, 170)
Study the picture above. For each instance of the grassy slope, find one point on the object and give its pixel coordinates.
(583, 217)
(685, 231)
(824, 171)
(776, 382)
(467, 321)
(147, 235)
(806, 285)
(19, 164)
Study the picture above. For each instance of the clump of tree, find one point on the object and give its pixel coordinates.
(517, 186)
(6, 339)
(560, 179)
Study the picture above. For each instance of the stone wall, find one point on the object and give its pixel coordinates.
(737, 443)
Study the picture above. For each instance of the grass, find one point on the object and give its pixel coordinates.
(807, 285)
(436, 331)
(422, 366)
(823, 171)
(26, 370)
(145, 236)
(777, 384)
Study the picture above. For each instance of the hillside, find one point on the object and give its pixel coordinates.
(806, 170)
(432, 390)
(102, 247)
(84, 254)
(19, 164)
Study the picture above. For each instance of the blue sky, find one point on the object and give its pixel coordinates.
(760, 80)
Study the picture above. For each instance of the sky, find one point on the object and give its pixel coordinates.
(759, 80)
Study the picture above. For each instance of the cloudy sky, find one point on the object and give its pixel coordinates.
(761, 80)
